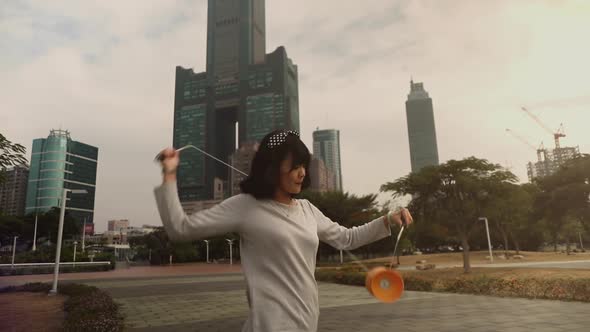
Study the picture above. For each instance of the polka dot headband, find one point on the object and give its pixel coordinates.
(279, 138)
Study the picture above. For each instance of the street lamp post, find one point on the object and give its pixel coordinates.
(14, 250)
(489, 241)
(84, 235)
(207, 245)
(60, 229)
(75, 245)
(35, 235)
(231, 242)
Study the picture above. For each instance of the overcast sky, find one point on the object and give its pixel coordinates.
(104, 70)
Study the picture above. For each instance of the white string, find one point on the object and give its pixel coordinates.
(159, 156)
(399, 235)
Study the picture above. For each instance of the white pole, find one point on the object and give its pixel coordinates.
(84, 235)
(75, 245)
(341, 257)
(581, 243)
(489, 241)
(230, 250)
(60, 229)
(13, 250)
(207, 244)
(35, 235)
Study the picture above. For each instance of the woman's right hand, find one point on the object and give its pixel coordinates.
(169, 160)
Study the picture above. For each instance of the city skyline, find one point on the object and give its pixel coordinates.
(105, 72)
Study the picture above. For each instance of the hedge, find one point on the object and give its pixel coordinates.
(565, 289)
(6, 271)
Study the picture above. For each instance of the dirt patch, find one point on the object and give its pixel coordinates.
(21, 311)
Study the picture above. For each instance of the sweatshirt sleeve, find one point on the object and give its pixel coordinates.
(344, 238)
(218, 220)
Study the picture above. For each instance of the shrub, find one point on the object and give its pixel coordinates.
(565, 289)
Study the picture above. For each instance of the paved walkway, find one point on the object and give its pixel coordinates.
(218, 303)
(133, 272)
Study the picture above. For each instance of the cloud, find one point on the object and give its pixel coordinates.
(105, 71)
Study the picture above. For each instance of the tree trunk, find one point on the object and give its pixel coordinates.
(505, 237)
(567, 245)
(516, 244)
(555, 242)
(465, 245)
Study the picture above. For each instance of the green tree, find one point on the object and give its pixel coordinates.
(161, 248)
(11, 154)
(564, 195)
(47, 226)
(509, 210)
(348, 210)
(571, 228)
(453, 194)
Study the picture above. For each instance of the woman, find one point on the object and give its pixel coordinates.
(279, 234)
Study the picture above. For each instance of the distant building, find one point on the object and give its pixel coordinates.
(326, 146)
(549, 161)
(243, 95)
(13, 192)
(113, 237)
(421, 128)
(242, 160)
(58, 162)
(322, 179)
(139, 231)
(119, 225)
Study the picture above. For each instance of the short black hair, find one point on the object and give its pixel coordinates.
(265, 172)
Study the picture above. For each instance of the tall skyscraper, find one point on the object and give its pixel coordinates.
(58, 162)
(13, 191)
(244, 92)
(242, 160)
(326, 146)
(322, 179)
(421, 128)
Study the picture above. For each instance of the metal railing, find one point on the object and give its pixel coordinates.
(53, 264)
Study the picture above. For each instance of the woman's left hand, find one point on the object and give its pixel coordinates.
(402, 218)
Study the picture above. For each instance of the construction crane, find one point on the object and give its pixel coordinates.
(541, 152)
(556, 134)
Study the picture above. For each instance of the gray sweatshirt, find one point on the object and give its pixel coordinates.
(278, 246)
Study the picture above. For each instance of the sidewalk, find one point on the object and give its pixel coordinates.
(132, 272)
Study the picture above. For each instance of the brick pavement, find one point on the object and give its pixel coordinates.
(218, 303)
